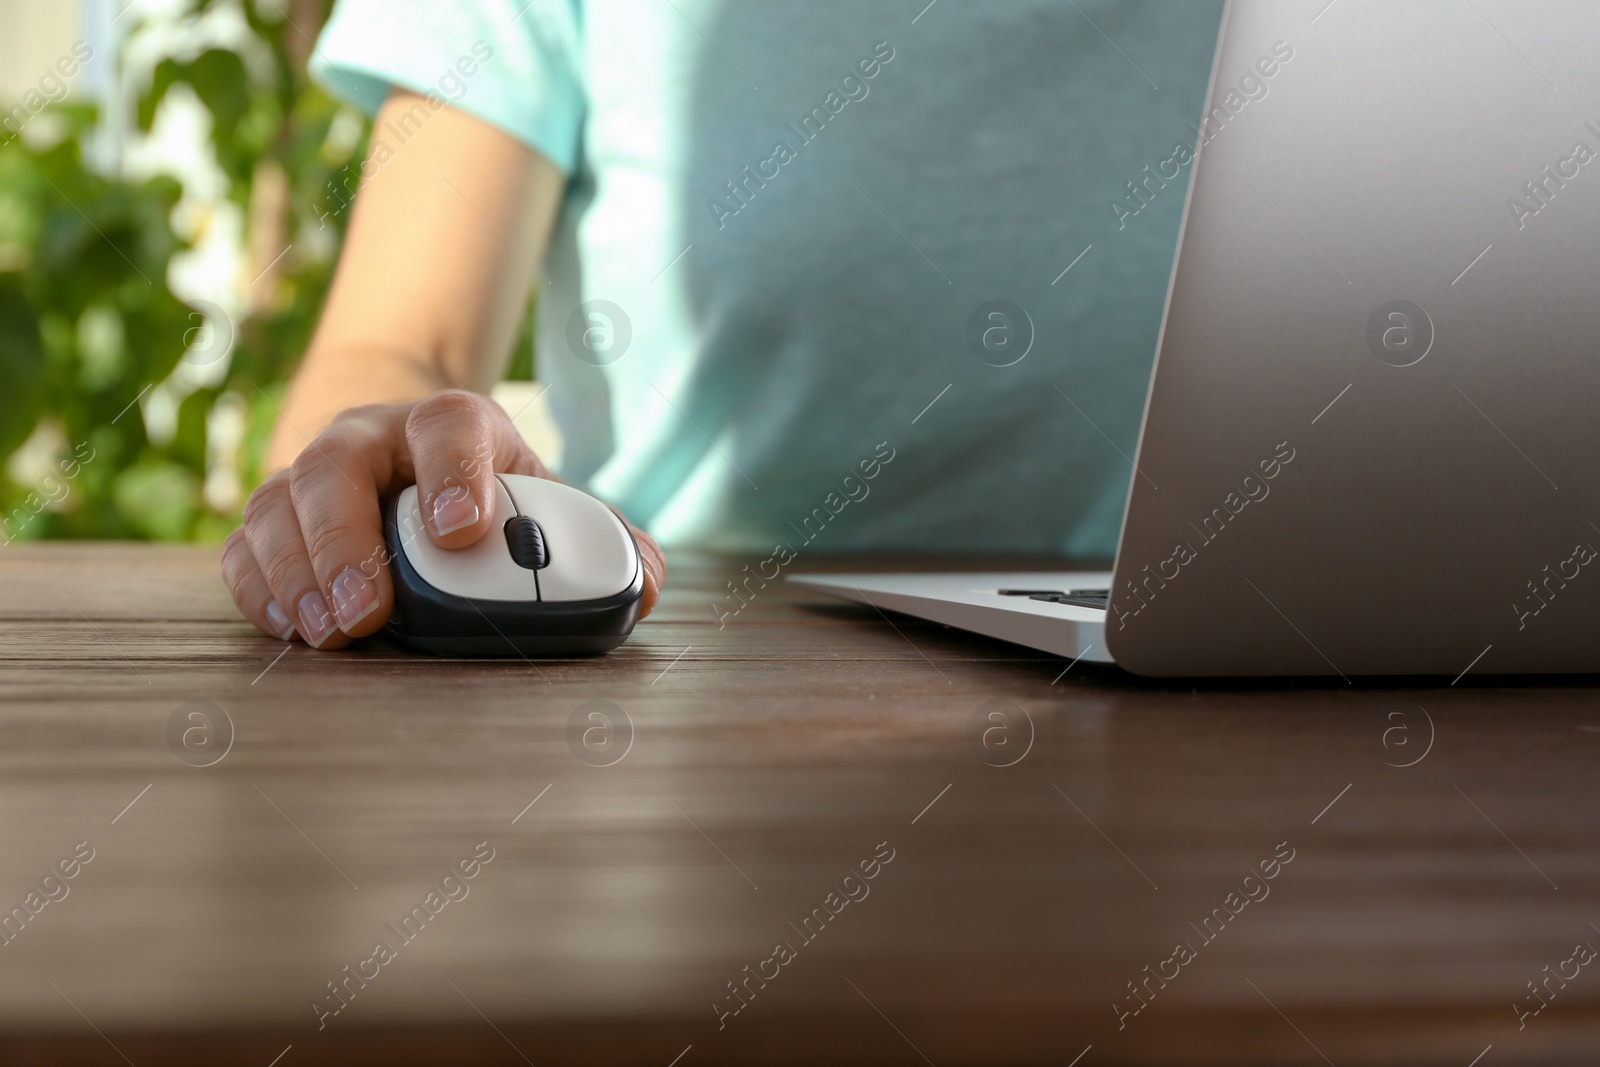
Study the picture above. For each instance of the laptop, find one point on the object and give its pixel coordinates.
(1371, 444)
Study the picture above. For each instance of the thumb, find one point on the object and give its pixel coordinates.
(457, 441)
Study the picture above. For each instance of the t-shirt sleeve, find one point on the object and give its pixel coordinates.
(524, 61)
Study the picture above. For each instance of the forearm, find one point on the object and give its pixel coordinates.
(434, 276)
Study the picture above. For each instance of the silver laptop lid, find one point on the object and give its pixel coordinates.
(1372, 443)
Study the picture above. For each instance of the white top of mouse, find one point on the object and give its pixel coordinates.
(546, 542)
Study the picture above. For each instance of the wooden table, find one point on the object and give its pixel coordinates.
(630, 884)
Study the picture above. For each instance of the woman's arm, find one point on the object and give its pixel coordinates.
(424, 308)
(435, 274)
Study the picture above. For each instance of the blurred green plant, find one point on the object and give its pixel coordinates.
(88, 322)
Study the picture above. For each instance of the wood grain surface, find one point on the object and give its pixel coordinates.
(1443, 843)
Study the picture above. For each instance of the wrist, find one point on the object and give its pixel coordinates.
(333, 380)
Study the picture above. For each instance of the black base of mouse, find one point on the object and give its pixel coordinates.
(505, 646)
(433, 621)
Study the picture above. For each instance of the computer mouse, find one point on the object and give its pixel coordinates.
(558, 574)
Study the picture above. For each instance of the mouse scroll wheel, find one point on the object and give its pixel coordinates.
(526, 542)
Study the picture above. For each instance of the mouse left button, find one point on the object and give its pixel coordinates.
(481, 571)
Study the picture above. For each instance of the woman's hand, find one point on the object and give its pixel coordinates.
(310, 560)
(431, 288)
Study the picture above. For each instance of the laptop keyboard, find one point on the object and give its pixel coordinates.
(1083, 598)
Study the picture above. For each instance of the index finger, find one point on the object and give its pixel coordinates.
(458, 441)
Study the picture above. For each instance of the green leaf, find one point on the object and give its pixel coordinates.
(21, 364)
(218, 78)
(166, 72)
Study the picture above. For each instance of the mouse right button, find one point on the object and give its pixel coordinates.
(591, 554)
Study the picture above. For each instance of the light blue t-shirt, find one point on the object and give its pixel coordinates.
(806, 241)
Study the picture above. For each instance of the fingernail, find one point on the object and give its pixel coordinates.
(354, 597)
(316, 621)
(278, 619)
(452, 512)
